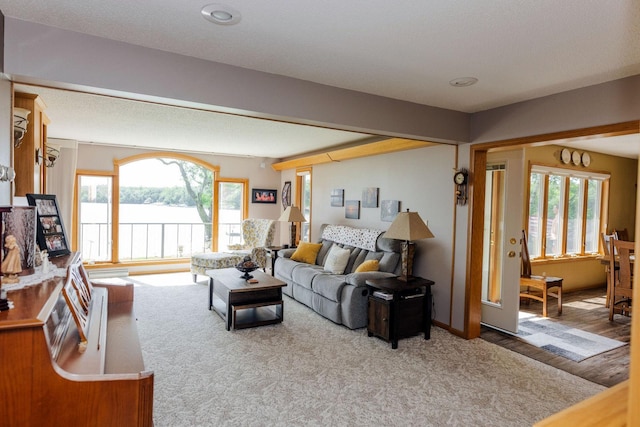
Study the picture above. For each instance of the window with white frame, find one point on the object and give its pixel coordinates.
(565, 212)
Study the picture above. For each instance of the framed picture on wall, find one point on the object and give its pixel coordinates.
(352, 209)
(263, 196)
(337, 197)
(389, 210)
(51, 235)
(370, 197)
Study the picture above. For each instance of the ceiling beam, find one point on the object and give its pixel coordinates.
(385, 146)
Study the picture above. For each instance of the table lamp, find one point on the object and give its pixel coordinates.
(292, 214)
(408, 226)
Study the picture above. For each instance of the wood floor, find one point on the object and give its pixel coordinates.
(584, 310)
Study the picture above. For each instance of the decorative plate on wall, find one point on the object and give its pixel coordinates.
(565, 156)
(576, 158)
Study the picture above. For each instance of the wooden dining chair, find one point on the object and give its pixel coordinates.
(606, 249)
(621, 292)
(621, 234)
(538, 288)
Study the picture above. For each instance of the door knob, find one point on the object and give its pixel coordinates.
(512, 241)
(511, 254)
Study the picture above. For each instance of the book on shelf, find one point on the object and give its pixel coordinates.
(383, 295)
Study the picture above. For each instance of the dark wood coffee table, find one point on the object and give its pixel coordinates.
(242, 304)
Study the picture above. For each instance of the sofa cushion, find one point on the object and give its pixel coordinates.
(305, 273)
(306, 252)
(337, 260)
(324, 251)
(389, 262)
(369, 265)
(328, 285)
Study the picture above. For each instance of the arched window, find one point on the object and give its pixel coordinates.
(155, 206)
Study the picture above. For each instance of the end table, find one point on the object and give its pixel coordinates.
(273, 254)
(398, 309)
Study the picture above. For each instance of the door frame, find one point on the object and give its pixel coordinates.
(478, 162)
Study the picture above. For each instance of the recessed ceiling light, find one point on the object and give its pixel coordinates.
(220, 14)
(463, 81)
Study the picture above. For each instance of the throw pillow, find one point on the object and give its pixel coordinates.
(306, 252)
(337, 259)
(370, 265)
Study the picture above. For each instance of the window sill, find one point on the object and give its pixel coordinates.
(566, 259)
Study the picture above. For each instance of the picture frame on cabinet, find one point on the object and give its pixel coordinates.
(51, 235)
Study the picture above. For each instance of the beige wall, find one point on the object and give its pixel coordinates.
(421, 180)
(580, 274)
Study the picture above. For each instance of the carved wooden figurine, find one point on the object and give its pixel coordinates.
(11, 264)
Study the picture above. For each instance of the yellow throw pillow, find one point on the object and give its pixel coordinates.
(370, 265)
(306, 252)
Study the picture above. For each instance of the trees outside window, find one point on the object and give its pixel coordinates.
(163, 208)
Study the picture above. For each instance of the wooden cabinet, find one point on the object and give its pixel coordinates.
(29, 167)
(71, 355)
(398, 309)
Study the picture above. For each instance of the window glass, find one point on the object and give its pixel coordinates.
(565, 217)
(230, 213)
(574, 222)
(594, 197)
(555, 221)
(95, 218)
(536, 207)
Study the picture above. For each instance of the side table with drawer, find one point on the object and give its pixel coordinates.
(398, 309)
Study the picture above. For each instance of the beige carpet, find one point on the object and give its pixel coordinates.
(309, 371)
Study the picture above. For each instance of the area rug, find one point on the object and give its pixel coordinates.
(571, 343)
(308, 371)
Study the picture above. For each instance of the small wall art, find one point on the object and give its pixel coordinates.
(352, 209)
(337, 197)
(389, 210)
(263, 196)
(370, 197)
(286, 195)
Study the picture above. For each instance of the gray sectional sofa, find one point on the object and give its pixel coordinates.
(341, 298)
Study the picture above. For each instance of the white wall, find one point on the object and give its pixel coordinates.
(422, 180)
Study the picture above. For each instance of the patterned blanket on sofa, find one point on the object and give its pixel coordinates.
(364, 238)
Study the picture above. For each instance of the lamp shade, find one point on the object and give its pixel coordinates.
(408, 226)
(292, 214)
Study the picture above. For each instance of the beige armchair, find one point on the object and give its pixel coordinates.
(257, 235)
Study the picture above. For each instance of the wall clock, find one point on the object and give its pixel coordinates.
(586, 159)
(565, 156)
(461, 178)
(576, 158)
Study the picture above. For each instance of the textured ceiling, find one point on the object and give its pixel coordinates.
(410, 50)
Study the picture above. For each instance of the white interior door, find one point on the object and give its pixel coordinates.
(502, 232)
